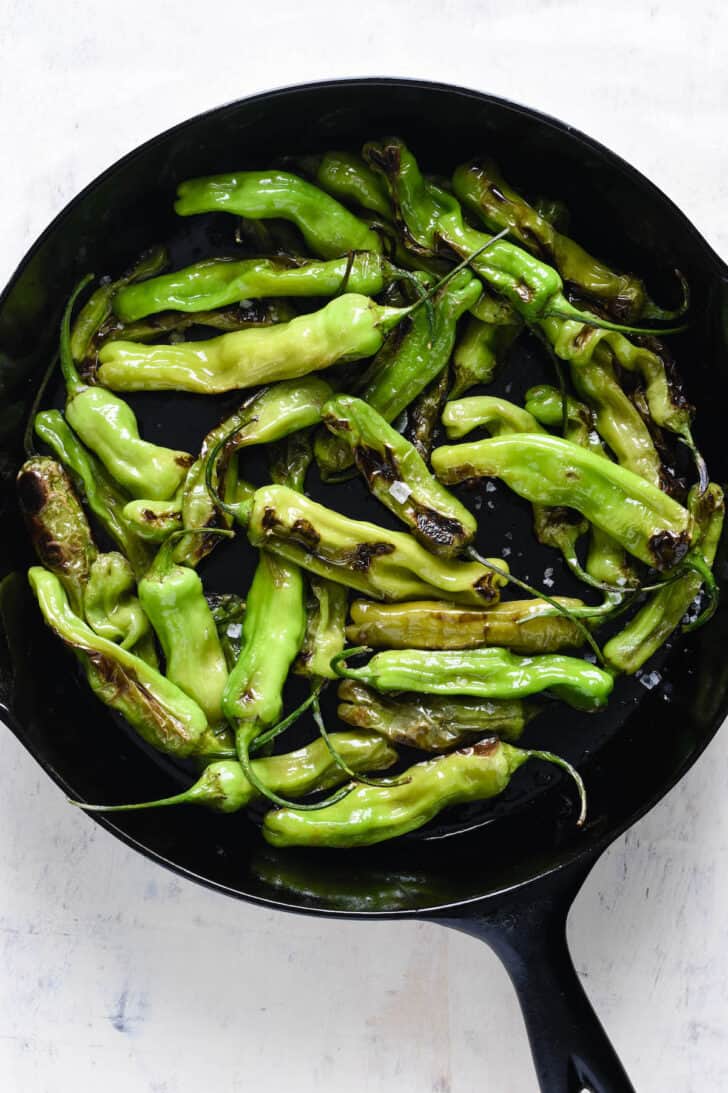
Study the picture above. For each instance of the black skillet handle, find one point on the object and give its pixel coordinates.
(571, 1050)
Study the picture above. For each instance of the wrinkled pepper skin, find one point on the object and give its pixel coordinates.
(348, 328)
(173, 598)
(107, 425)
(162, 714)
(653, 624)
(523, 626)
(57, 525)
(372, 814)
(551, 471)
(398, 476)
(111, 606)
(153, 521)
(423, 414)
(480, 349)
(485, 673)
(326, 612)
(430, 722)
(273, 632)
(383, 564)
(228, 612)
(329, 229)
(219, 282)
(346, 177)
(103, 495)
(223, 787)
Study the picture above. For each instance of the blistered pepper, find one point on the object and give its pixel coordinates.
(384, 564)
(423, 415)
(480, 349)
(111, 606)
(346, 177)
(398, 476)
(548, 470)
(372, 814)
(431, 722)
(326, 611)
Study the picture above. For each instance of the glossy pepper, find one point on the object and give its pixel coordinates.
(239, 316)
(326, 611)
(162, 714)
(423, 415)
(107, 425)
(174, 601)
(653, 624)
(482, 190)
(524, 626)
(328, 228)
(348, 328)
(223, 787)
(218, 282)
(228, 612)
(111, 606)
(481, 347)
(103, 495)
(552, 471)
(346, 177)
(484, 673)
(431, 722)
(384, 564)
(371, 814)
(398, 476)
(409, 360)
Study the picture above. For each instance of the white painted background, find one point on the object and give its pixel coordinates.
(113, 973)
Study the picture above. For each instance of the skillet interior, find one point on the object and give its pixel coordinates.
(629, 755)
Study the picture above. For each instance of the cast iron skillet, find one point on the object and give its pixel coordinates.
(507, 873)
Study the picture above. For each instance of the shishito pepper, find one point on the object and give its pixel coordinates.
(482, 189)
(218, 282)
(222, 786)
(524, 626)
(431, 722)
(384, 564)
(346, 176)
(551, 471)
(423, 415)
(399, 477)
(156, 708)
(371, 814)
(653, 624)
(174, 601)
(483, 673)
(107, 425)
(104, 496)
(480, 349)
(326, 611)
(111, 606)
(347, 328)
(328, 228)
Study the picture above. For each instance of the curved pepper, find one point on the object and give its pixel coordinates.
(228, 612)
(398, 476)
(174, 601)
(524, 626)
(384, 564)
(346, 176)
(485, 673)
(112, 609)
(550, 471)
(431, 722)
(347, 328)
(161, 713)
(218, 282)
(107, 425)
(423, 415)
(372, 814)
(325, 622)
(479, 350)
(329, 229)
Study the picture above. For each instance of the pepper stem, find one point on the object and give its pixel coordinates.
(652, 311)
(163, 560)
(74, 383)
(286, 723)
(341, 762)
(271, 795)
(549, 757)
(565, 310)
(240, 511)
(699, 565)
(178, 799)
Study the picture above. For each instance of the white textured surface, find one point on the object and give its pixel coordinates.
(115, 974)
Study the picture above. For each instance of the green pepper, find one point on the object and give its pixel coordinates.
(379, 563)
(548, 470)
(423, 415)
(239, 316)
(325, 621)
(57, 525)
(174, 601)
(222, 786)
(102, 494)
(398, 476)
(482, 190)
(372, 814)
(347, 328)
(112, 609)
(479, 350)
(228, 612)
(218, 282)
(346, 176)
(653, 624)
(107, 425)
(409, 361)
(162, 714)
(484, 673)
(329, 229)
(524, 626)
(431, 722)
(154, 521)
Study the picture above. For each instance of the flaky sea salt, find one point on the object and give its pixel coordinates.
(400, 491)
(234, 630)
(548, 577)
(490, 487)
(650, 680)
